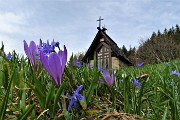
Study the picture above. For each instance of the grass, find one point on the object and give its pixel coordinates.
(27, 93)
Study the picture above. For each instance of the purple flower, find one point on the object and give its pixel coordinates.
(39, 48)
(100, 81)
(54, 64)
(75, 98)
(106, 75)
(99, 69)
(90, 66)
(31, 52)
(168, 64)
(48, 48)
(140, 64)
(175, 73)
(40, 45)
(54, 44)
(8, 56)
(137, 84)
(77, 63)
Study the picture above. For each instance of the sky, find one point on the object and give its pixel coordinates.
(73, 23)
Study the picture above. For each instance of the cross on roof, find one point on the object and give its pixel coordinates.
(100, 21)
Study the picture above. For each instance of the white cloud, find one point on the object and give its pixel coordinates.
(11, 29)
(10, 44)
(11, 22)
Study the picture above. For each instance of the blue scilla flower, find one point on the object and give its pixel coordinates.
(75, 98)
(54, 44)
(137, 84)
(8, 56)
(174, 72)
(140, 64)
(77, 63)
(47, 48)
(168, 64)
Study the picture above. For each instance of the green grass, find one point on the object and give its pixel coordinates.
(27, 93)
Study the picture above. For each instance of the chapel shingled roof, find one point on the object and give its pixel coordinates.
(118, 52)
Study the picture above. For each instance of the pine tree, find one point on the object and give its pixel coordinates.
(124, 50)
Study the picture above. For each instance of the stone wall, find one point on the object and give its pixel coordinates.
(117, 64)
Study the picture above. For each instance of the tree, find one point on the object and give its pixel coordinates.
(160, 48)
(153, 35)
(124, 50)
(79, 56)
(159, 33)
(129, 53)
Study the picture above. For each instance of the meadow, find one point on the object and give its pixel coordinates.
(43, 85)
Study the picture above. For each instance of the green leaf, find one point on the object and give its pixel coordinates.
(174, 100)
(50, 95)
(39, 94)
(58, 94)
(5, 100)
(83, 104)
(90, 91)
(67, 115)
(165, 114)
(23, 101)
(27, 112)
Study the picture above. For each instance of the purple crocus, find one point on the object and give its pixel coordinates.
(31, 52)
(175, 73)
(54, 64)
(140, 64)
(77, 63)
(137, 84)
(75, 98)
(106, 75)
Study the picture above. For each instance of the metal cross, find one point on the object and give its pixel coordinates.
(100, 21)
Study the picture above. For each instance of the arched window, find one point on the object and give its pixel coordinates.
(103, 57)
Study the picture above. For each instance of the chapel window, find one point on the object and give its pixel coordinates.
(103, 57)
